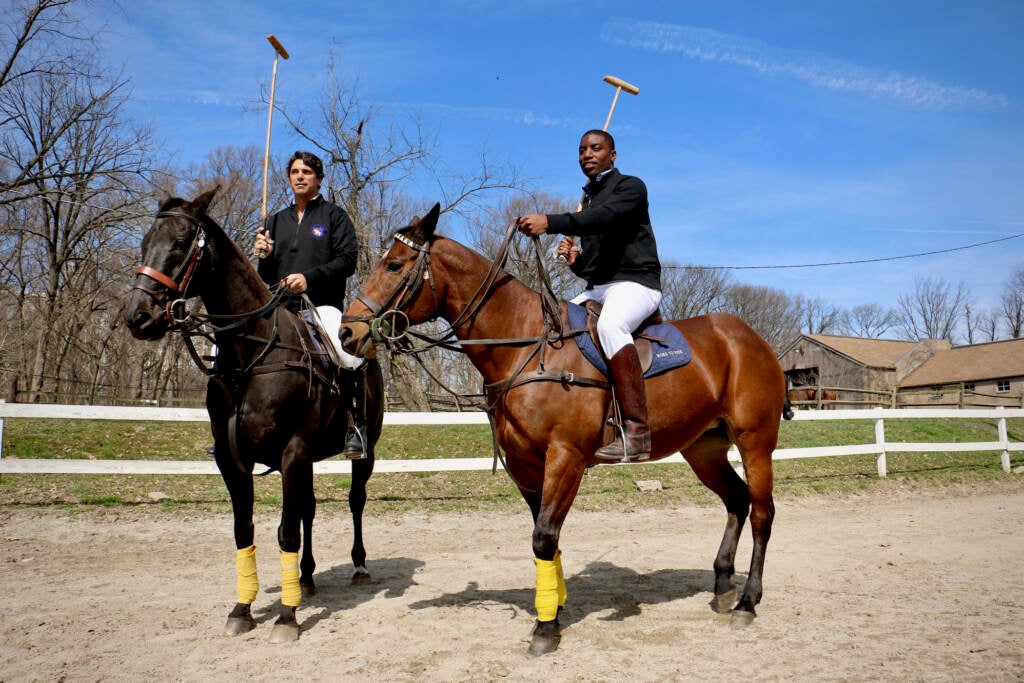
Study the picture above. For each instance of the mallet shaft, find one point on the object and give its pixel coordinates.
(620, 85)
(278, 51)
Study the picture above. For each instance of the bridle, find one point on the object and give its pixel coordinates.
(388, 327)
(384, 327)
(178, 283)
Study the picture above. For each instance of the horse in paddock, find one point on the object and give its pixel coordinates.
(549, 404)
(808, 394)
(273, 396)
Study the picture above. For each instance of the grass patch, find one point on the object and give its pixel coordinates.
(603, 488)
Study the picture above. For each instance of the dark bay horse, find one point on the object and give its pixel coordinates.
(549, 404)
(273, 397)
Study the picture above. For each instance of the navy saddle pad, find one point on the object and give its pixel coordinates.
(669, 349)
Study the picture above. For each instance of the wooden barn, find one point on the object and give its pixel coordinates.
(990, 374)
(894, 373)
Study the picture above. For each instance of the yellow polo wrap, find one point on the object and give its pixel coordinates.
(291, 593)
(546, 600)
(562, 593)
(248, 582)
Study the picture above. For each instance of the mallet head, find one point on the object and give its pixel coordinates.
(619, 83)
(279, 48)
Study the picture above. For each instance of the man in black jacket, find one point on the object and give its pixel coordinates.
(310, 247)
(618, 257)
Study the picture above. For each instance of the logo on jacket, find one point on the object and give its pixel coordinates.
(318, 230)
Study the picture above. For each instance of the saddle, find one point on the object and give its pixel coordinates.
(320, 356)
(660, 345)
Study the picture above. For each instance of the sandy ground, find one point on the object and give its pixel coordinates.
(907, 587)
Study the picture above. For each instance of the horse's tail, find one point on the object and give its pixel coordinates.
(787, 410)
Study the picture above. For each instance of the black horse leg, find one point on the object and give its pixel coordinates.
(240, 488)
(297, 486)
(361, 471)
(708, 458)
(762, 513)
(308, 565)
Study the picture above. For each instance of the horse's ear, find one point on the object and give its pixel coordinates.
(202, 202)
(425, 226)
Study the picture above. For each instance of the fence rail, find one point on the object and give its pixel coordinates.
(879, 447)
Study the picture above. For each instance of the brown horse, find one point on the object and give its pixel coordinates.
(273, 397)
(549, 404)
(808, 394)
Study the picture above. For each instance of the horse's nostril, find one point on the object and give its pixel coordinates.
(139, 320)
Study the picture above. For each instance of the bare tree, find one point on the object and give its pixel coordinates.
(367, 155)
(65, 212)
(489, 229)
(983, 327)
(980, 325)
(871, 321)
(689, 290)
(933, 309)
(46, 46)
(1012, 304)
(773, 313)
(238, 171)
(817, 316)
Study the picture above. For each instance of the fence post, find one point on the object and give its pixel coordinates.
(1004, 441)
(880, 442)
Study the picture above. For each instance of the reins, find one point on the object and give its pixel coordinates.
(383, 329)
(208, 325)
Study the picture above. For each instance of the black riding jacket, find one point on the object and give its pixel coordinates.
(323, 247)
(617, 240)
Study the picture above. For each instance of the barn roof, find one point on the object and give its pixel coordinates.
(977, 362)
(875, 353)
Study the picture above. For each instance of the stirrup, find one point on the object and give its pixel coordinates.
(352, 453)
(621, 455)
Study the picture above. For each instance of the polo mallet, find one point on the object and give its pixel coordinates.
(620, 85)
(278, 51)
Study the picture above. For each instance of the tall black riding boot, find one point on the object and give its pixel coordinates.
(628, 380)
(355, 438)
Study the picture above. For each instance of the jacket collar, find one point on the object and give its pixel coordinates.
(598, 182)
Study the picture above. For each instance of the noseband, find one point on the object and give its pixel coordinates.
(179, 282)
(384, 327)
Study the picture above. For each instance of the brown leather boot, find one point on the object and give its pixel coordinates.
(627, 377)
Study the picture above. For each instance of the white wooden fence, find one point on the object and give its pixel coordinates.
(879, 447)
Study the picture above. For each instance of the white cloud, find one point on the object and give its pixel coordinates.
(816, 70)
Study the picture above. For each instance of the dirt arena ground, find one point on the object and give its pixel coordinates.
(904, 587)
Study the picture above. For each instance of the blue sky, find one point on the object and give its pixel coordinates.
(768, 133)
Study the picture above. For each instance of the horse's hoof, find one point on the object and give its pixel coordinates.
(284, 633)
(722, 604)
(546, 637)
(236, 626)
(361, 577)
(542, 645)
(308, 589)
(741, 618)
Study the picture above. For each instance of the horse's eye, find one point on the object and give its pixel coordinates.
(393, 266)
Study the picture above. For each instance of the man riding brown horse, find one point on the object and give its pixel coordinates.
(618, 258)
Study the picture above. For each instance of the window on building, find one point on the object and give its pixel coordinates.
(968, 386)
(936, 392)
(1003, 385)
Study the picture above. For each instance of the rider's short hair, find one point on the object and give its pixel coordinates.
(309, 159)
(603, 133)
